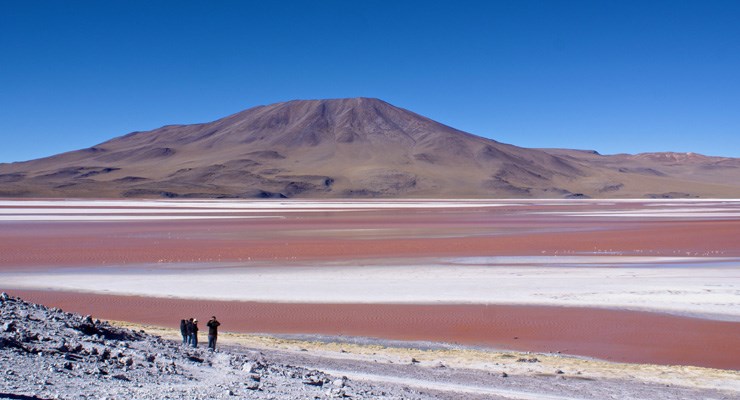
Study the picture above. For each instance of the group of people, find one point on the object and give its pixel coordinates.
(189, 330)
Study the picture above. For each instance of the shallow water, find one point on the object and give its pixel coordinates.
(460, 258)
(615, 335)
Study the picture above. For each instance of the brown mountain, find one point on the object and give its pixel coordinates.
(352, 148)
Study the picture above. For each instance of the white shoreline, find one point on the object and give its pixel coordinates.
(364, 203)
(707, 291)
(111, 210)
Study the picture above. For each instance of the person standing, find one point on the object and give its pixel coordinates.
(189, 331)
(194, 333)
(213, 325)
(184, 331)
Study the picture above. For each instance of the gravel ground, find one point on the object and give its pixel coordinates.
(50, 354)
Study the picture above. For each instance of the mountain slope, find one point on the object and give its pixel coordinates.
(340, 148)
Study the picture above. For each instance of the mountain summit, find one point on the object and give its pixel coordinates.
(358, 147)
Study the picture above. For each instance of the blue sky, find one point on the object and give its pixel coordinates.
(614, 76)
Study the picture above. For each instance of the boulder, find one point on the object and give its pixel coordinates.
(8, 327)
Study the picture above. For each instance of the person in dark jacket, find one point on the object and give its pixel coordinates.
(184, 331)
(213, 325)
(189, 331)
(194, 334)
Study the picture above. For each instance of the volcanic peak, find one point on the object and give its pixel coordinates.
(351, 147)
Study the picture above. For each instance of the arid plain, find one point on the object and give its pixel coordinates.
(639, 281)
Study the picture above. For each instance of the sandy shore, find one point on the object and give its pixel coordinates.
(428, 270)
(468, 359)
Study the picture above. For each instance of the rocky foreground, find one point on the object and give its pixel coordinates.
(46, 353)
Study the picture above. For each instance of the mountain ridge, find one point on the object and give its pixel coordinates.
(355, 147)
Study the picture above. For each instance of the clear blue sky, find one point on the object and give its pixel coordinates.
(614, 76)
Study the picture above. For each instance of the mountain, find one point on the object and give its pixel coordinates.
(359, 147)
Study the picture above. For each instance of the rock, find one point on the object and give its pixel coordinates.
(195, 359)
(8, 326)
(559, 372)
(4, 297)
(229, 392)
(171, 368)
(340, 382)
(252, 385)
(529, 360)
(504, 375)
(249, 367)
(127, 361)
(314, 378)
(105, 355)
(121, 377)
(72, 357)
(335, 393)
(414, 361)
(313, 381)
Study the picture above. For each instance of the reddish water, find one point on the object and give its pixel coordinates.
(608, 334)
(626, 336)
(351, 235)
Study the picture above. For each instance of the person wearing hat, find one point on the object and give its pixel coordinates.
(194, 333)
(213, 325)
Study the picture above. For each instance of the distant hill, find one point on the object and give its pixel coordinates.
(345, 148)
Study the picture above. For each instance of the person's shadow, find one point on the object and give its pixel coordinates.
(19, 397)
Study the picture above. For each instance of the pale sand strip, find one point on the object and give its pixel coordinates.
(282, 205)
(110, 210)
(265, 204)
(689, 287)
(123, 218)
(450, 387)
(487, 360)
(672, 214)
